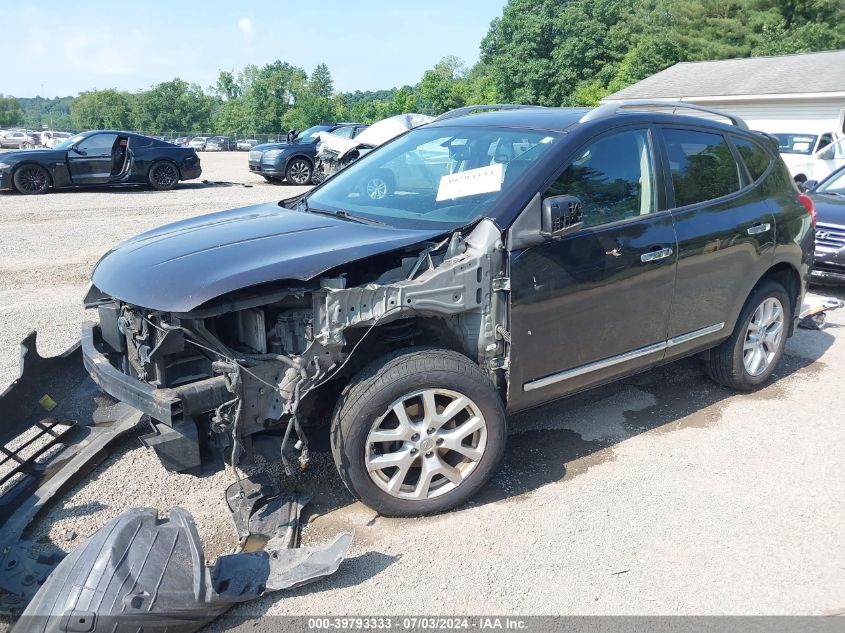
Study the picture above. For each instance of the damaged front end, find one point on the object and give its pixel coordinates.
(257, 372)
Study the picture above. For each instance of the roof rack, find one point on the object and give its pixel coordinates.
(459, 112)
(613, 107)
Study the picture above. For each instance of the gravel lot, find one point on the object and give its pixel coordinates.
(663, 494)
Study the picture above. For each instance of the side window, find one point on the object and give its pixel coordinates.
(703, 167)
(613, 177)
(754, 157)
(345, 132)
(98, 144)
(824, 141)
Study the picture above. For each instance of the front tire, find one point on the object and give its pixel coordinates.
(299, 172)
(163, 176)
(31, 180)
(748, 358)
(418, 432)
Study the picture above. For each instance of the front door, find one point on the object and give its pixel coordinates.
(91, 161)
(594, 305)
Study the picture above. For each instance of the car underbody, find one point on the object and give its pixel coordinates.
(241, 375)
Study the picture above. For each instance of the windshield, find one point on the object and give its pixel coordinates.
(433, 178)
(310, 134)
(796, 143)
(834, 184)
(73, 140)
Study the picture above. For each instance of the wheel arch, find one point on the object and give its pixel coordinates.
(19, 166)
(788, 276)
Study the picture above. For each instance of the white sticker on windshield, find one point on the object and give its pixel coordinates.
(471, 182)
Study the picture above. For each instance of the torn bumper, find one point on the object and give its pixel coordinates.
(164, 405)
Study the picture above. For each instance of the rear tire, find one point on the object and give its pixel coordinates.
(31, 180)
(447, 447)
(748, 358)
(163, 176)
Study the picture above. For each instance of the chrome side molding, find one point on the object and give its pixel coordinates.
(539, 383)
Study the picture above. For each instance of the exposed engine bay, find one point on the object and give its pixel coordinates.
(257, 372)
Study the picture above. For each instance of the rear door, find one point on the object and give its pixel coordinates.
(725, 229)
(594, 305)
(91, 161)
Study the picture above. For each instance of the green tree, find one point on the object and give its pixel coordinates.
(102, 109)
(173, 106)
(11, 112)
(442, 87)
(321, 83)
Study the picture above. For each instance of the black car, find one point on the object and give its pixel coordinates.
(294, 160)
(99, 158)
(519, 256)
(220, 144)
(829, 199)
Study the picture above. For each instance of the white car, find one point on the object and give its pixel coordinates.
(811, 156)
(15, 139)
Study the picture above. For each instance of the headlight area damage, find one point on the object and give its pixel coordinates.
(253, 373)
(257, 372)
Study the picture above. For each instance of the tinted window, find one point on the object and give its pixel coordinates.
(98, 144)
(796, 143)
(613, 177)
(754, 157)
(703, 167)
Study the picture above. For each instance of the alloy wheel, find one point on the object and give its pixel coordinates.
(299, 172)
(763, 336)
(426, 444)
(376, 188)
(165, 175)
(31, 179)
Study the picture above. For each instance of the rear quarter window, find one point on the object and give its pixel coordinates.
(755, 157)
(702, 164)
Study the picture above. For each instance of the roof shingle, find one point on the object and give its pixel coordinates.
(782, 74)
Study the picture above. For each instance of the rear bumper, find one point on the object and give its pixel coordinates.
(191, 173)
(164, 405)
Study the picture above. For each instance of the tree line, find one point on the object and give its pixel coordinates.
(546, 52)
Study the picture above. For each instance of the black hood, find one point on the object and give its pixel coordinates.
(38, 155)
(829, 209)
(180, 266)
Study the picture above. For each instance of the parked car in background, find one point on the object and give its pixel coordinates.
(811, 156)
(334, 152)
(99, 158)
(17, 139)
(51, 138)
(246, 144)
(829, 198)
(553, 250)
(220, 144)
(198, 143)
(294, 160)
(182, 140)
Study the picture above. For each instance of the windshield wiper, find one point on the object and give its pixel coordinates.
(345, 215)
(832, 193)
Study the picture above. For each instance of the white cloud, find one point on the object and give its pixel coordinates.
(247, 30)
(100, 55)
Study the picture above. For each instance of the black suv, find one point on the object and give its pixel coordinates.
(518, 256)
(294, 160)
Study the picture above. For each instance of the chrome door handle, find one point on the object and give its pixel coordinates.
(759, 228)
(651, 256)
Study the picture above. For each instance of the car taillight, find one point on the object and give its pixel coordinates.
(807, 202)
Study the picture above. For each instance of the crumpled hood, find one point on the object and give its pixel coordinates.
(180, 266)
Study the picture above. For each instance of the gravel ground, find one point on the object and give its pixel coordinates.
(662, 494)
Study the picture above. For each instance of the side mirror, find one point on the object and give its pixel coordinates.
(76, 149)
(561, 216)
(808, 185)
(827, 154)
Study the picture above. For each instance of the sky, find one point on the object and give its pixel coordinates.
(62, 47)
